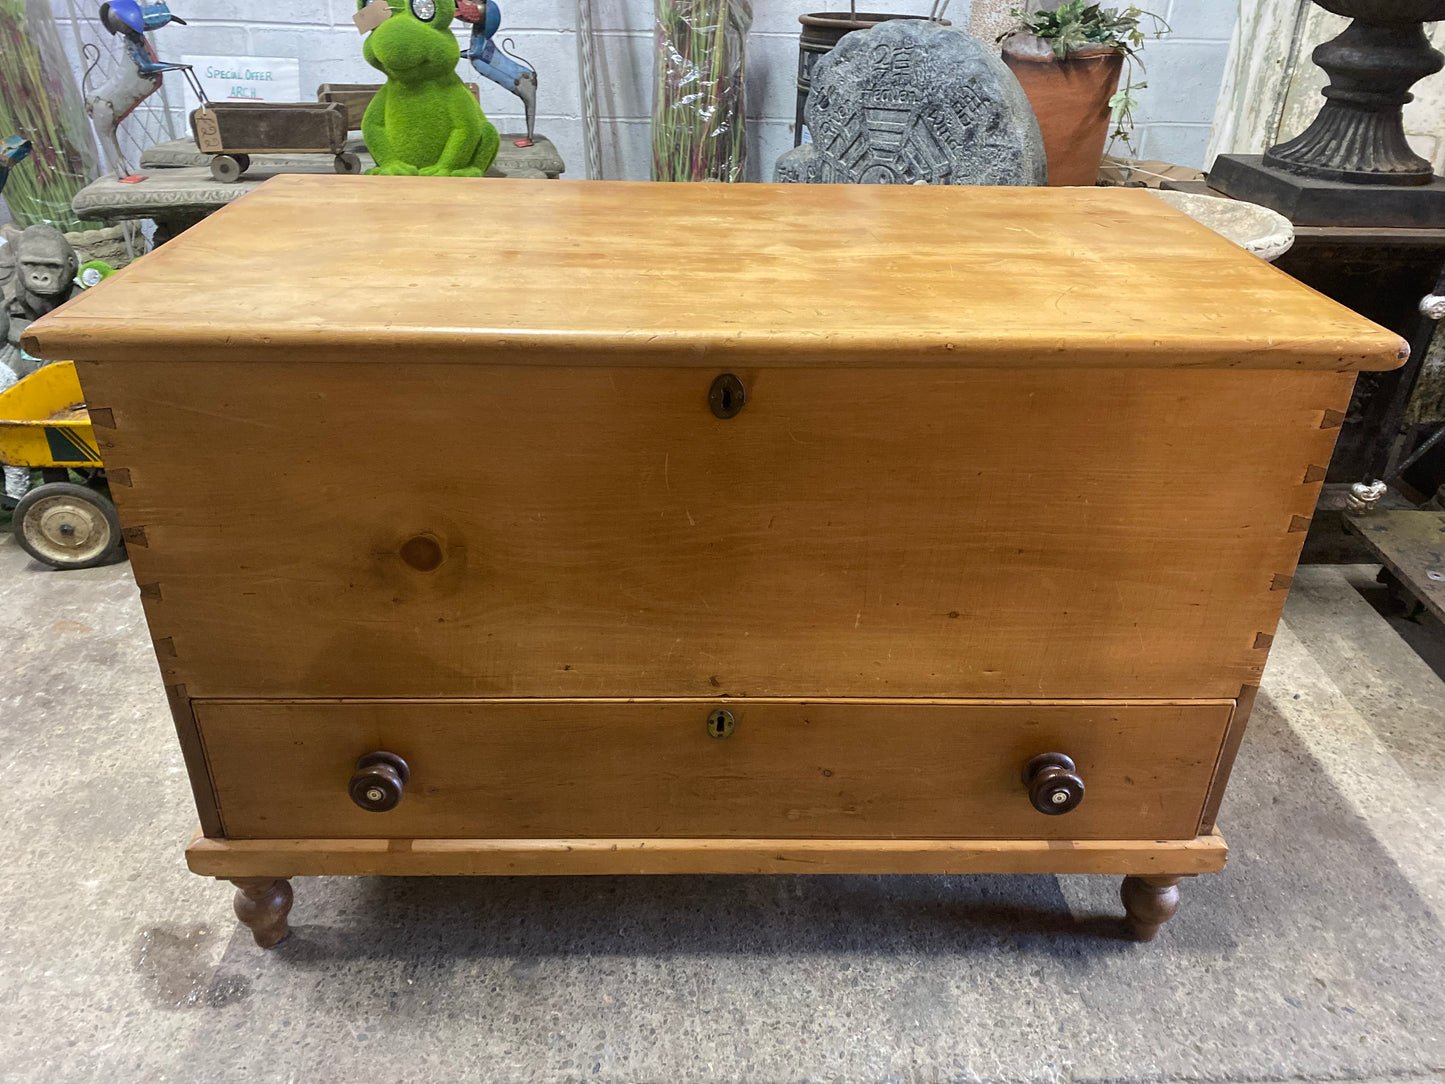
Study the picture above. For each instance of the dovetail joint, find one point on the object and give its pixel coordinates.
(1262, 640)
(1281, 582)
(1299, 523)
(135, 536)
(1314, 473)
(1333, 419)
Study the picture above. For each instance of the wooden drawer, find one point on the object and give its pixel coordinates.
(790, 769)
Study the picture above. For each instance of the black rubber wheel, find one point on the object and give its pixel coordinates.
(67, 526)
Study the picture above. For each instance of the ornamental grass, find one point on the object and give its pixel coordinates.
(40, 102)
(697, 119)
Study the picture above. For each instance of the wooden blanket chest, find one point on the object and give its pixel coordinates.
(492, 527)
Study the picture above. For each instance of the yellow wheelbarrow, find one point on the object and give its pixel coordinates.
(44, 424)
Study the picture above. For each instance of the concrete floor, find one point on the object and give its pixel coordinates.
(1316, 955)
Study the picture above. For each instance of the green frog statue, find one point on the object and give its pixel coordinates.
(424, 120)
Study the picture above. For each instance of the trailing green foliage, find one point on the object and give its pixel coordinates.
(1077, 24)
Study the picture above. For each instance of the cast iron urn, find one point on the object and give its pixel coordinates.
(1359, 135)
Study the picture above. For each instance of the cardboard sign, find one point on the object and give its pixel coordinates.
(372, 16)
(246, 78)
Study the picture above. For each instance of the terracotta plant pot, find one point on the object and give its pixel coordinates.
(1071, 99)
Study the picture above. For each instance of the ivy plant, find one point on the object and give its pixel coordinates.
(1078, 24)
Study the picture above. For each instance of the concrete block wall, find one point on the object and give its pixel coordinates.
(1183, 71)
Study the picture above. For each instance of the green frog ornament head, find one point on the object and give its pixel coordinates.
(423, 120)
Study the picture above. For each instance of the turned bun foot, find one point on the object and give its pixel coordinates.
(1149, 902)
(262, 904)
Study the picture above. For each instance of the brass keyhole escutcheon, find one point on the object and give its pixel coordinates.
(720, 724)
(727, 396)
(422, 552)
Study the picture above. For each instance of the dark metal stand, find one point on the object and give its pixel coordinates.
(1359, 135)
(1312, 201)
(1353, 166)
(1382, 274)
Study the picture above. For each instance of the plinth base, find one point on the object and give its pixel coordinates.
(1306, 201)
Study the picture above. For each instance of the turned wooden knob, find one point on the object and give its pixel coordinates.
(1054, 786)
(378, 781)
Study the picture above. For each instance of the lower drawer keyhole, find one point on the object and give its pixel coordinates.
(720, 723)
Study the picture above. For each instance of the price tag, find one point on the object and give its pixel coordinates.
(372, 16)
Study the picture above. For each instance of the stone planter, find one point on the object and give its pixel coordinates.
(106, 244)
(1071, 99)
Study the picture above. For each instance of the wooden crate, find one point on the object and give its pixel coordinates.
(270, 128)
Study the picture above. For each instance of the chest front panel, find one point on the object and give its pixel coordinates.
(438, 530)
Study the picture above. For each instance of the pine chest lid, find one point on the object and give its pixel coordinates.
(490, 271)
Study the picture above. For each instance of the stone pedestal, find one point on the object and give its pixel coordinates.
(512, 160)
(108, 244)
(179, 191)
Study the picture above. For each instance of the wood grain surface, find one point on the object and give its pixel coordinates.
(396, 270)
(569, 857)
(973, 533)
(574, 769)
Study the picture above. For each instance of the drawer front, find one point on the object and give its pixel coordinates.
(472, 531)
(623, 769)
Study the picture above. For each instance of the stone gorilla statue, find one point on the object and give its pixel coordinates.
(37, 273)
(45, 268)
